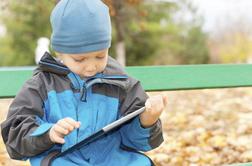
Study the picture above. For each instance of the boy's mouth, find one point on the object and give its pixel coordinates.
(89, 74)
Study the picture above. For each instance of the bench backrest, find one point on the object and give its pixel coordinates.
(154, 78)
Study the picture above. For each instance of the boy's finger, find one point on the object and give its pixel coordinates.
(72, 122)
(148, 104)
(158, 100)
(165, 99)
(61, 130)
(63, 123)
(58, 139)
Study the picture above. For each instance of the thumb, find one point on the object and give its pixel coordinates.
(165, 99)
(148, 104)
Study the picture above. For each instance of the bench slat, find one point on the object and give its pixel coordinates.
(184, 77)
(155, 78)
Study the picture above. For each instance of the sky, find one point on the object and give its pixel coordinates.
(221, 11)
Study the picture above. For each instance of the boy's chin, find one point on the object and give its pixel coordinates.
(86, 75)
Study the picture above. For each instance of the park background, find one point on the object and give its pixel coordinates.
(201, 127)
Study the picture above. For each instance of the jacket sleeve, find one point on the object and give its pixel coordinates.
(22, 121)
(133, 134)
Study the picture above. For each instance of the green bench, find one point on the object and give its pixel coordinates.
(156, 78)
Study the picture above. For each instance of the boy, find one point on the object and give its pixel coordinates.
(68, 99)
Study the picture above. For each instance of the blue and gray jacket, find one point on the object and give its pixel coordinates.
(54, 92)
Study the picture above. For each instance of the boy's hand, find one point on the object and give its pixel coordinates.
(154, 107)
(62, 128)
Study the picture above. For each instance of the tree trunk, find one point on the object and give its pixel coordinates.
(120, 53)
(120, 32)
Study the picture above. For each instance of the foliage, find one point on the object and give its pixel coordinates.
(151, 32)
(27, 20)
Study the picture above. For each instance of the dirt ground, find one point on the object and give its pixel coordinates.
(201, 128)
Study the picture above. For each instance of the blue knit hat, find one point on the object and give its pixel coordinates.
(80, 26)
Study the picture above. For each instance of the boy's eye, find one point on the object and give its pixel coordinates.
(100, 57)
(78, 60)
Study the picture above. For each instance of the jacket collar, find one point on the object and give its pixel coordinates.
(50, 64)
(113, 73)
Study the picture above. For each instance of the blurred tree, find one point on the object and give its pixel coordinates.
(26, 21)
(194, 49)
(183, 40)
(152, 34)
(238, 49)
(231, 42)
(122, 13)
(147, 31)
(137, 28)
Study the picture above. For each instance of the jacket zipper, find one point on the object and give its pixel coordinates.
(83, 93)
(76, 112)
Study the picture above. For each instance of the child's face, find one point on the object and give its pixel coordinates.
(86, 64)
